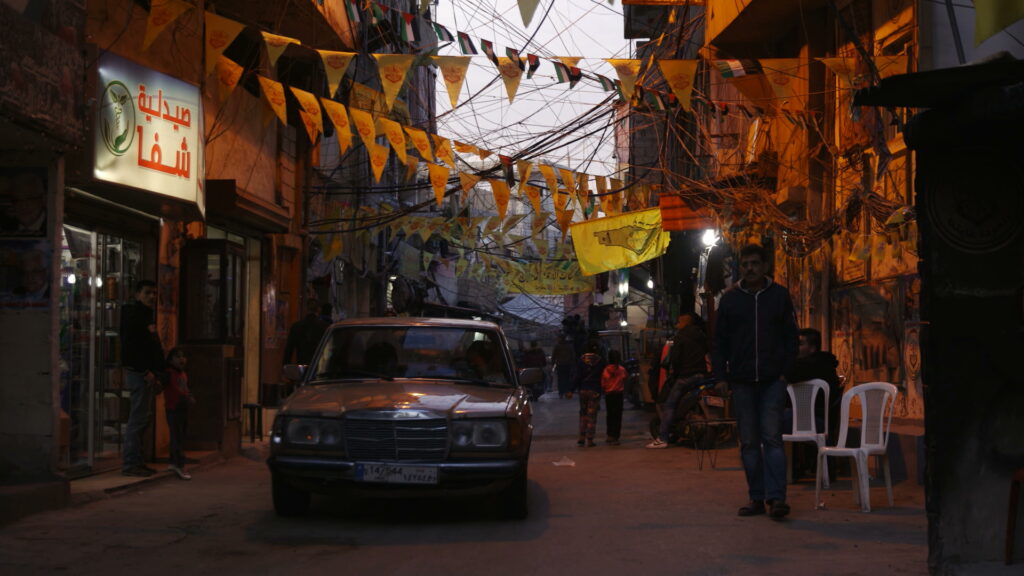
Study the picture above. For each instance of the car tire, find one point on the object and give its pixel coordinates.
(288, 500)
(514, 500)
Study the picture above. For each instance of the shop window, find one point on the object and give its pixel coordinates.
(213, 302)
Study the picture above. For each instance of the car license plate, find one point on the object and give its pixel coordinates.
(395, 474)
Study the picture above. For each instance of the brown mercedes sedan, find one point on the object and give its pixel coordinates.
(404, 407)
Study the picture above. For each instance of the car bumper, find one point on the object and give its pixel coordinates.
(465, 477)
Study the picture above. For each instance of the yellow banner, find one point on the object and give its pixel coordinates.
(439, 180)
(339, 117)
(335, 66)
(443, 150)
(501, 194)
(276, 45)
(549, 176)
(533, 193)
(378, 159)
(468, 181)
(453, 70)
(992, 16)
(220, 32)
(524, 167)
(627, 69)
(365, 126)
(679, 75)
(311, 106)
(421, 142)
(274, 93)
(396, 136)
(161, 14)
(615, 196)
(510, 75)
(621, 241)
(393, 68)
(228, 75)
(542, 277)
(788, 79)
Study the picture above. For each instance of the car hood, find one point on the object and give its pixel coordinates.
(438, 397)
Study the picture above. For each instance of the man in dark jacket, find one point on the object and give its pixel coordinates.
(813, 362)
(304, 336)
(755, 344)
(142, 358)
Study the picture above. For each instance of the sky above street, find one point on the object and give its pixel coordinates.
(592, 29)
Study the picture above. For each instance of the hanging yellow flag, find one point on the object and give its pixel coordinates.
(843, 68)
(568, 179)
(439, 180)
(992, 16)
(627, 69)
(583, 192)
(548, 173)
(483, 154)
(220, 32)
(228, 75)
(524, 167)
(463, 148)
(501, 194)
(615, 195)
(788, 79)
(510, 75)
(276, 45)
(443, 150)
(604, 244)
(552, 278)
(339, 117)
(420, 142)
(335, 66)
(526, 10)
(411, 169)
(311, 105)
(393, 132)
(679, 74)
(274, 93)
(891, 65)
(564, 219)
(365, 126)
(533, 193)
(161, 14)
(453, 70)
(468, 181)
(393, 68)
(378, 159)
(570, 61)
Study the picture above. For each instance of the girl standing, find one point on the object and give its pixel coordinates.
(613, 384)
(177, 397)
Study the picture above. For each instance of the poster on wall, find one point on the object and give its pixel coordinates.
(23, 202)
(25, 273)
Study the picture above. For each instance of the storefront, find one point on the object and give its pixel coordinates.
(125, 203)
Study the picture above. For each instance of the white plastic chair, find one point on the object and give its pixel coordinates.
(802, 396)
(877, 400)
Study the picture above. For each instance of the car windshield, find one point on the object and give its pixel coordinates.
(391, 352)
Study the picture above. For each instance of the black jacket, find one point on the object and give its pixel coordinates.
(755, 335)
(140, 344)
(303, 338)
(689, 348)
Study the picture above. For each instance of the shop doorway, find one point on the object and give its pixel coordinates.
(98, 272)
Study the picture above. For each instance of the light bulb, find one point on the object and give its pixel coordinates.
(650, 283)
(710, 238)
(71, 278)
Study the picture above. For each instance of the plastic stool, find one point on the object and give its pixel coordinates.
(1011, 519)
(255, 421)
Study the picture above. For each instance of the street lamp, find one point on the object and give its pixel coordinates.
(650, 283)
(710, 237)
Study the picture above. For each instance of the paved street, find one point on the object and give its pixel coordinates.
(603, 510)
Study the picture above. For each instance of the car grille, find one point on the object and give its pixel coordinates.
(396, 439)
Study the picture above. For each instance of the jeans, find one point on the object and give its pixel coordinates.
(590, 405)
(139, 417)
(759, 416)
(613, 417)
(668, 408)
(177, 421)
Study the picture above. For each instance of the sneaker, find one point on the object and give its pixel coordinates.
(778, 508)
(182, 474)
(753, 508)
(579, 442)
(138, 471)
(657, 443)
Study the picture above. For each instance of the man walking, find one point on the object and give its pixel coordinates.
(142, 358)
(755, 344)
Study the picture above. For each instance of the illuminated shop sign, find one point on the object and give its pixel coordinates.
(148, 130)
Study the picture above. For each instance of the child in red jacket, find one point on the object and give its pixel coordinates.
(177, 397)
(613, 384)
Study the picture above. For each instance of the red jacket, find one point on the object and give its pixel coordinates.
(613, 379)
(176, 390)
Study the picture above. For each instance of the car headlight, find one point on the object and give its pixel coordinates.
(482, 434)
(309, 432)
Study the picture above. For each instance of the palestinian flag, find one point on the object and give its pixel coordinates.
(737, 68)
(352, 10)
(561, 72)
(513, 55)
(408, 31)
(575, 75)
(534, 61)
(466, 44)
(443, 35)
(606, 83)
(488, 47)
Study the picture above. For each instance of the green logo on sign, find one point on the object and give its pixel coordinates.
(117, 118)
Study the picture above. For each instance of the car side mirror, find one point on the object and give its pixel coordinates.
(294, 372)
